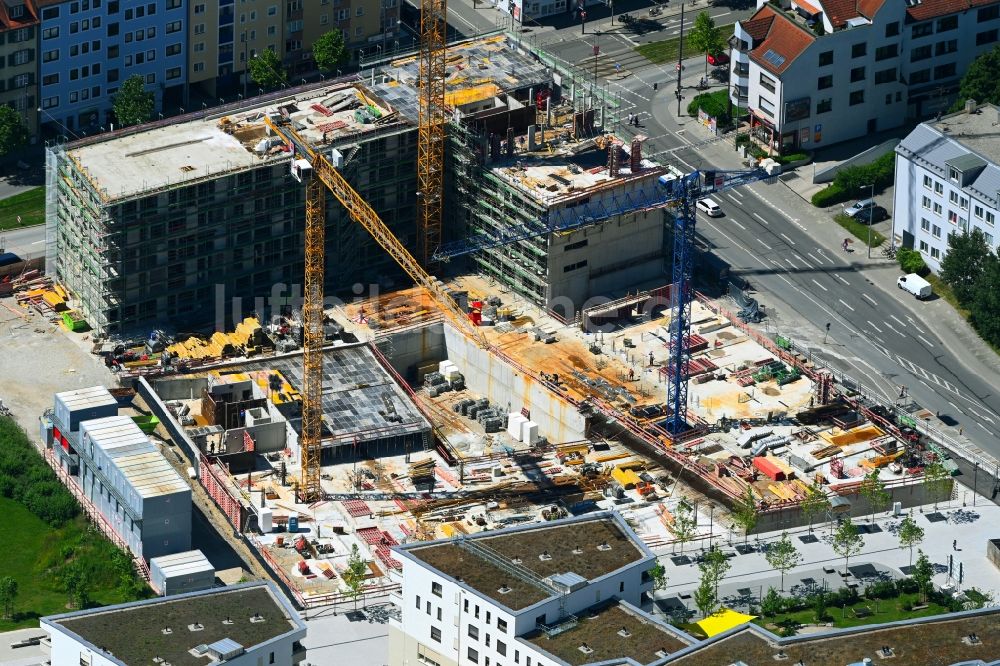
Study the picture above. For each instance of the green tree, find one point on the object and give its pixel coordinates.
(922, 575)
(705, 596)
(76, 585)
(847, 541)
(685, 523)
(13, 131)
(937, 482)
(716, 565)
(981, 82)
(783, 556)
(910, 261)
(745, 513)
(772, 603)
(8, 594)
(706, 37)
(266, 69)
(964, 263)
(133, 104)
(814, 504)
(329, 51)
(658, 573)
(910, 535)
(873, 490)
(985, 304)
(354, 575)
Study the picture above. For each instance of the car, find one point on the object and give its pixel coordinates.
(709, 207)
(858, 206)
(871, 215)
(717, 59)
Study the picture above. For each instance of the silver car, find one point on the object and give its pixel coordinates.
(858, 206)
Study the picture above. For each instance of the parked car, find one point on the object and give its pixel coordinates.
(709, 207)
(916, 285)
(871, 215)
(858, 206)
(717, 59)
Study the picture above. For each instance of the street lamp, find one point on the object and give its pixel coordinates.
(871, 219)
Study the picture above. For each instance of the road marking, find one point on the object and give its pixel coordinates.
(820, 252)
(870, 323)
(893, 329)
(810, 255)
(761, 218)
(901, 322)
(737, 224)
(846, 305)
(914, 324)
(735, 193)
(791, 264)
(957, 408)
(804, 260)
(787, 238)
(870, 299)
(764, 244)
(843, 280)
(925, 384)
(822, 287)
(38, 241)
(925, 340)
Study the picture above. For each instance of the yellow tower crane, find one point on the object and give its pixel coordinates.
(319, 174)
(433, 118)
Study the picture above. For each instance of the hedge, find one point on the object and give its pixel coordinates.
(830, 195)
(911, 262)
(852, 182)
(715, 104)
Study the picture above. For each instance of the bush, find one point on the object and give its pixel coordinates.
(26, 479)
(858, 178)
(772, 603)
(883, 589)
(715, 104)
(792, 157)
(907, 606)
(830, 195)
(910, 261)
(907, 586)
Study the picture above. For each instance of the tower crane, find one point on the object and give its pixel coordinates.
(319, 174)
(432, 118)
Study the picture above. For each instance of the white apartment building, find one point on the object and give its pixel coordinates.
(817, 72)
(565, 592)
(948, 181)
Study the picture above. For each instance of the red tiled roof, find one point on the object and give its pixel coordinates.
(929, 9)
(840, 11)
(784, 38)
(808, 7)
(29, 18)
(867, 8)
(758, 25)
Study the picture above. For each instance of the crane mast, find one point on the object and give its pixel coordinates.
(432, 120)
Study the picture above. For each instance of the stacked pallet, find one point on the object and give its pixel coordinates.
(422, 472)
(827, 451)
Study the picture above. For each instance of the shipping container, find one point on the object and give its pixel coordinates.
(72, 407)
(179, 573)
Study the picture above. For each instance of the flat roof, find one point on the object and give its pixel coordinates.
(976, 131)
(169, 155)
(222, 613)
(610, 631)
(591, 548)
(137, 458)
(936, 641)
(93, 396)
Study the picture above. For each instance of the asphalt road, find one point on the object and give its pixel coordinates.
(29, 241)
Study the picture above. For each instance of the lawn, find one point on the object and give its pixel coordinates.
(889, 610)
(30, 205)
(943, 289)
(665, 50)
(860, 231)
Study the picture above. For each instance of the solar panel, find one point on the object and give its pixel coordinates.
(774, 58)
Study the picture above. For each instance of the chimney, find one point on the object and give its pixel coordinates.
(970, 105)
(636, 156)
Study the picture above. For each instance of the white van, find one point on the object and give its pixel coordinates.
(709, 207)
(916, 285)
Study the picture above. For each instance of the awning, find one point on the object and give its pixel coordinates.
(723, 620)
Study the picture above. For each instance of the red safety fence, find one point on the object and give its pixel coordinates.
(213, 479)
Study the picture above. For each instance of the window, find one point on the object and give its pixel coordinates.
(272, 10)
(766, 82)
(952, 216)
(939, 188)
(825, 58)
(573, 267)
(892, 29)
(990, 218)
(944, 71)
(199, 47)
(73, 97)
(199, 29)
(923, 246)
(435, 634)
(502, 648)
(50, 56)
(935, 253)
(937, 208)
(324, 19)
(977, 210)
(487, 637)
(112, 29)
(359, 31)
(50, 13)
(859, 49)
(439, 613)
(502, 625)
(343, 14)
(360, 11)
(418, 602)
(925, 224)
(926, 201)
(928, 181)
(173, 49)
(175, 4)
(946, 47)
(953, 196)
(473, 656)
(74, 27)
(989, 239)
(50, 33)
(477, 611)
(857, 74)
(936, 231)
(765, 106)
(151, 78)
(50, 102)
(199, 9)
(963, 203)
(175, 26)
(987, 37)
(887, 51)
(150, 56)
(824, 82)
(824, 105)
(22, 57)
(436, 589)
(199, 67)
(922, 29)
(988, 14)
(857, 97)
(885, 76)
(473, 632)
(50, 79)
(947, 23)
(173, 73)
(921, 53)
(953, 175)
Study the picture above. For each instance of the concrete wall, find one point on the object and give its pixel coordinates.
(267, 437)
(488, 375)
(413, 348)
(174, 429)
(181, 388)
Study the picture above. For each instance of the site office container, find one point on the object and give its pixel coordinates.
(188, 571)
(72, 407)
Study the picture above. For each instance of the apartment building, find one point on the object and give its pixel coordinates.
(564, 592)
(817, 72)
(948, 181)
(88, 47)
(19, 59)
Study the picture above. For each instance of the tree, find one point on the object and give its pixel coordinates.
(964, 263)
(705, 596)
(772, 603)
(13, 132)
(658, 573)
(133, 104)
(329, 51)
(744, 513)
(76, 585)
(266, 69)
(937, 481)
(685, 523)
(716, 565)
(980, 81)
(910, 535)
(873, 490)
(847, 541)
(8, 594)
(814, 504)
(911, 261)
(354, 575)
(986, 302)
(782, 556)
(706, 37)
(922, 575)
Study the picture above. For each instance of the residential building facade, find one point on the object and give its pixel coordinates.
(818, 72)
(948, 182)
(88, 47)
(19, 59)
